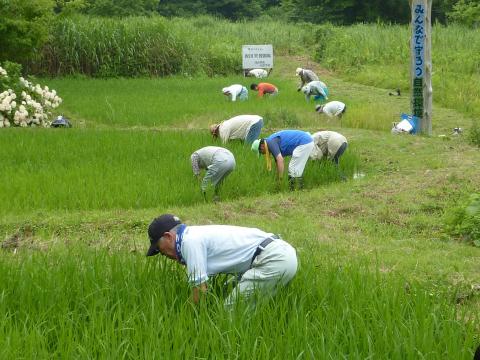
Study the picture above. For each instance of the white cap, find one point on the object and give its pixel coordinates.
(298, 71)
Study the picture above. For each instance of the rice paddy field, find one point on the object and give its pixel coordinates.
(379, 276)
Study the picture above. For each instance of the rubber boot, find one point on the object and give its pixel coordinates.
(300, 183)
(291, 183)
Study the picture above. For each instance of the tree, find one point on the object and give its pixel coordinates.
(24, 27)
(466, 12)
(234, 9)
(120, 8)
(181, 7)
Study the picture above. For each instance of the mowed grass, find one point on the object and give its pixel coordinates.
(114, 169)
(76, 302)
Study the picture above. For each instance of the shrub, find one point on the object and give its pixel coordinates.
(34, 102)
(464, 221)
(466, 12)
(24, 27)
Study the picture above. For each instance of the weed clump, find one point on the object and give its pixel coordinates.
(282, 118)
(464, 221)
(474, 134)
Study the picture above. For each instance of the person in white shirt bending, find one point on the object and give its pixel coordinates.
(328, 145)
(332, 109)
(258, 73)
(261, 260)
(218, 162)
(244, 127)
(236, 91)
(317, 89)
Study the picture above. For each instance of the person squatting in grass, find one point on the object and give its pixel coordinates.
(332, 109)
(295, 143)
(244, 127)
(317, 89)
(328, 145)
(218, 162)
(306, 76)
(264, 88)
(234, 91)
(261, 260)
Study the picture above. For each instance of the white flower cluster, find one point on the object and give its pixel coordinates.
(34, 108)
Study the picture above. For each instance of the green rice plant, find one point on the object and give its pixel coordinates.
(178, 102)
(74, 301)
(115, 169)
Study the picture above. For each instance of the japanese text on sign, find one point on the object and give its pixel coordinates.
(257, 56)
(418, 56)
(418, 38)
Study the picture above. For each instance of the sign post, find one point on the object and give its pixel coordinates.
(257, 57)
(421, 63)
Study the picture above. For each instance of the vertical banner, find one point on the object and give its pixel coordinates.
(421, 63)
(418, 56)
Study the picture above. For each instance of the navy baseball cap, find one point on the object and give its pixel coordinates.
(157, 228)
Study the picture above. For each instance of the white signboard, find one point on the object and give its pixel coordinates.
(257, 56)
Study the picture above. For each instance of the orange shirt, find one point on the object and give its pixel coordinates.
(266, 88)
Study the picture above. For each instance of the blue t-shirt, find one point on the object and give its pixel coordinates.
(285, 141)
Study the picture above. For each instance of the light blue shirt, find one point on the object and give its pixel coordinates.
(213, 249)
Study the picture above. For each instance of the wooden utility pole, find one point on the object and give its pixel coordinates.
(421, 63)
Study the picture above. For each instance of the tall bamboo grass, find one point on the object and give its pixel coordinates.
(157, 46)
(85, 303)
(108, 169)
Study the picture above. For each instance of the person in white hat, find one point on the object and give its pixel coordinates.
(295, 143)
(306, 76)
(261, 260)
(236, 91)
(258, 73)
(218, 163)
(328, 145)
(317, 89)
(244, 127)
(332, 109)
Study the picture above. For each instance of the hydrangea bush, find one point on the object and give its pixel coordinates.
(21, 102)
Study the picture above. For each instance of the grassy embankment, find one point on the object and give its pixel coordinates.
(73, 267)
(379, 55)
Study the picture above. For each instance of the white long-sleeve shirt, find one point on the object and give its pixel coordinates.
(237, 127)
(326, 143)
(258, 73)
(315, 88)
(213, 249)
(203, 158)
(333, 108)
(233, 91)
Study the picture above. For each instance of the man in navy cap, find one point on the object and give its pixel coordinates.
(262, 260)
